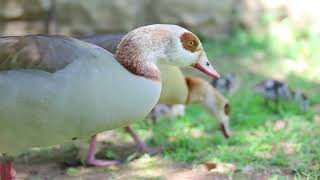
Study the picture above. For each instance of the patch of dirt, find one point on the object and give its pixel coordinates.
(144, 167)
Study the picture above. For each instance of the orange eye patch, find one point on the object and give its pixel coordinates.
(189, 41)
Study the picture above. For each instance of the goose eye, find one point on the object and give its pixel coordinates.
(191, 43)
(226, 109)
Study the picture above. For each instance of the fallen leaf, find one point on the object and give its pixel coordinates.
(210, 165)
(73, 171)
(220, 167)
(288, 148)
(196, 133)
(287, 171)
(280, 124)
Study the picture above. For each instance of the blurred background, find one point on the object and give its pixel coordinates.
(253, 39)
(210, 19)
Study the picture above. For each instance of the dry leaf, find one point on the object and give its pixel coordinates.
(210, 166)
(288, 148)
(280, 124)
(196, 133)
(220, 167)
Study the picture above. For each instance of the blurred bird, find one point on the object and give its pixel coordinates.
(166, 110)
(226, 84)
(201, 92)
(302, 99)
(276, 90)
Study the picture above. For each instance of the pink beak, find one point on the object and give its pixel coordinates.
(204, 66)
(207, 71)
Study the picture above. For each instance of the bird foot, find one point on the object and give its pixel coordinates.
(7, 172)
(91, 160)
(140, 144)
(102, 163)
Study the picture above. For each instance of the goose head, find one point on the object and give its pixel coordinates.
(162, 44)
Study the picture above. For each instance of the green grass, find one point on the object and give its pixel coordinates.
(254, 141)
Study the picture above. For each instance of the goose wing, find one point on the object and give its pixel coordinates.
(108, 42)
(43, 52)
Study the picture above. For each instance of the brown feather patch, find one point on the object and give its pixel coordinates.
(189, 41)
(129, 56)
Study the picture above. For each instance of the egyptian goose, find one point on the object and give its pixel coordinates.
(275, 90)
(176, 90)
(55, 88)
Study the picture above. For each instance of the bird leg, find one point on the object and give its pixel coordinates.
(141, 145)
(6, 171)
(91, 159)
(277, 110)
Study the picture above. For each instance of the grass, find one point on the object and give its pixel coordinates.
(255, 141)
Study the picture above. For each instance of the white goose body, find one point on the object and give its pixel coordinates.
(87, 97)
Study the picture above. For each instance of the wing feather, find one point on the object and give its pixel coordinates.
(108, 42)
(43, 52)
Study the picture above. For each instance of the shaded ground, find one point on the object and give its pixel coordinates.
(38, 165)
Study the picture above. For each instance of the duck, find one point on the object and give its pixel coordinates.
(56, 88)
(176, 89)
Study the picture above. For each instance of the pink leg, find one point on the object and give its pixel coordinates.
(141, 145)
(91, 160)
(7, 172)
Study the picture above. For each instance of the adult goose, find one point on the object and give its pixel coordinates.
(176, 89)
(55, 88)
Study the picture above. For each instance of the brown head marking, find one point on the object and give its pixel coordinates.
(189, 41)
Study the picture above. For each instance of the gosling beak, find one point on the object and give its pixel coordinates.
(204, 66)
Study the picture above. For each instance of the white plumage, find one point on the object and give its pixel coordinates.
(87, 97)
